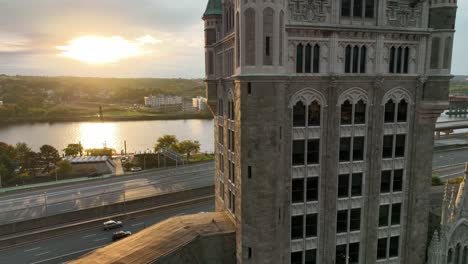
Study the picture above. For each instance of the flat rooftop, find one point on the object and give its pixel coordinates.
(161, 240)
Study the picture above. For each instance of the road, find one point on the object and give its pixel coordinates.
(450, 163)
(51, 201)
(72, 246)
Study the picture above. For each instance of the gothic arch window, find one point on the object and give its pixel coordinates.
(249, 30)
(299, 115)
(399, 59)
(450, 256)
(457, 253)
(355, 59)
(396, 103)
(307, 108)
(308, 58)
(447, 53)
(465, 255)
(358, 8)
(353, 107)
(268, 14)
(435, 53)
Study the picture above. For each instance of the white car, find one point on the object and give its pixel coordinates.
(111, 224)
(135, 169)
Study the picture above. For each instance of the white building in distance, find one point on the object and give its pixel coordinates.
(199, 103)
(163, 100)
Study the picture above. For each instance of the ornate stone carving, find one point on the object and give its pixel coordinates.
(307, 96)
(397, 94)
(353, 95)
(403, 14)
(309, 11)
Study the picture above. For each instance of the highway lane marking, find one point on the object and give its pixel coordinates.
(89, 236)
(101, 239)
(138, 224)
(43, 253)
(32, 249)
(66, 255)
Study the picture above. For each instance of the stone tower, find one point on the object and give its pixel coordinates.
(324, 119)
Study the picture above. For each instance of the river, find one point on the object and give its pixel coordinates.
(140, 135)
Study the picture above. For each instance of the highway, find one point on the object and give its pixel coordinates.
(450, 163)
(55, 200)
(71, 246)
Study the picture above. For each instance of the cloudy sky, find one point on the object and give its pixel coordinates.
(121, 38)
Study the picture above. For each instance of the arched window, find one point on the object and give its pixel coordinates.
(348, 59)
(450, 256)
(268, 14)
(249, 36)
(314, 114)
(316, 67)
(447, 53)
(399, 57)
(406, 60)
(299, 115)
(360, 113)
(435, 53)
(392, 60)
(399, 60)
(465, 255)
(299, 58)
(402, 111)
(346, 113)
(363, 59)
(390, 112)
(355, 59)
(308, 59)
(457, 254)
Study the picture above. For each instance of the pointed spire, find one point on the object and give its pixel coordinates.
(445, 206)
(213, 8)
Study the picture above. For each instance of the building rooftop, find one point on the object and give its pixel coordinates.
(88, 159)
(169, 238)
(214, 7)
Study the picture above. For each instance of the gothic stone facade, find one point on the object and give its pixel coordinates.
(324, 119)
(450, 245)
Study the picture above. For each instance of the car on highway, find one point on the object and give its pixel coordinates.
(134, 169)
(120, 235)
(111, 224)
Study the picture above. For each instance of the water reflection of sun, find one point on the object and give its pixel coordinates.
(98, 135)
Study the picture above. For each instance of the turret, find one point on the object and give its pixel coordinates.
(442, 16)
(213, 32)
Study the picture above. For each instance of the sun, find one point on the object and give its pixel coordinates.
(104, 50)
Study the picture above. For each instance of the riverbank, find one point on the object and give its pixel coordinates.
(112, 118)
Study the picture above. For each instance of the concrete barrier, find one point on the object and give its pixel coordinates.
(103, 211)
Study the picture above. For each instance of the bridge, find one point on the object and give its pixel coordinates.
(458, 105)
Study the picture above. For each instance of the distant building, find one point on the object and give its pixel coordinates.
(91, 165)
(1, 103)
(199, 103)
(163, 100)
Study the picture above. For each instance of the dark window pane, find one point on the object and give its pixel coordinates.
(298, 152)
(391, 67)
(297, 227)
(308, 59)
(358, 148)
(311, 256)
(360, 113)
(345, 149)
(354, 253)
(299, 58)
(406, 60)
(357, 10)
(341, 254)
(311, 225)
(356, 185)
(370, 8)
(387, 150)
(313, 151)
(396, 213)
(398, 59)
(299, 115)
(383, 215)
(348, 59)
(346, 113)
(267, 45)
(382, 248)
(400, 146)
(296, 257)
(297, 190)
(355, 223)
(385, 181)
(355, 59)
(346, 8)
(402, 111)
(343, 186)
(342, 221)
(394, 246)
(314, 114)
(312, 189)
(398, 180)
(221, 135)
(363, 60)
(390, 112)
(316, 59)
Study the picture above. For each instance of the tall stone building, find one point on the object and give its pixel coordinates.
(324, 124)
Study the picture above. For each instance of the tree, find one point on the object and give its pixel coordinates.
(7, 150)
(64, 167)
(188, 147)
(73, 150)
(21, 150)
(31, 161)
(49, 157)
(167, 141)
